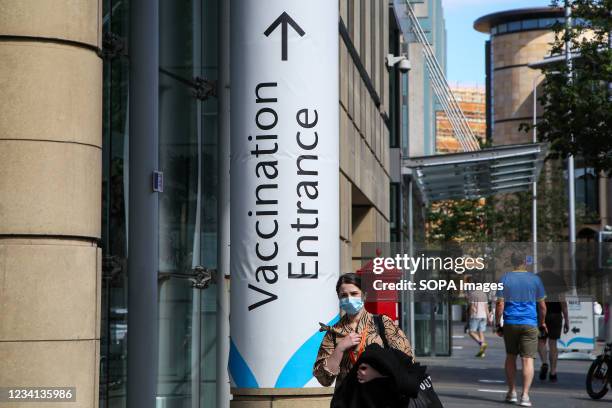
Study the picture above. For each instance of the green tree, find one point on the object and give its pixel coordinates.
(511, 214)
(577, 117)
(507, 217)
(458, 220)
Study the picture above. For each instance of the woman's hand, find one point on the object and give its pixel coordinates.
(348, 342)
(366, 373)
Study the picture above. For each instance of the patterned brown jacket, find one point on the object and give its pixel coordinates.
(395, 337)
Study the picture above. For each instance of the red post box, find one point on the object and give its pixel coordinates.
(379, 299)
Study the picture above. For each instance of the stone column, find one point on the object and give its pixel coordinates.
(50, 195)
(281, 397)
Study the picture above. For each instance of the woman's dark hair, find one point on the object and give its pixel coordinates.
(350, 278)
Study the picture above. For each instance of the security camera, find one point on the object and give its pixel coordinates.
(402, 62)
(404, 66)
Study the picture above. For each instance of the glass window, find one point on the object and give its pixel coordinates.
(394, 89)
(580, 22)
(587, 193)
(115, 164)
(188, 206)
(530, 24)
(393, 201)
(494, 30)
(502, 28)
(405, 118)
(546, 22)
(514, 26)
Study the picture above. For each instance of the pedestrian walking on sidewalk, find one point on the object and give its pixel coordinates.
(478, 317)
(556, 318)
(346, 340)
(517, 300)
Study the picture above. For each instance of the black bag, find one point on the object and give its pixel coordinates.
(408, 384)
(426, 397)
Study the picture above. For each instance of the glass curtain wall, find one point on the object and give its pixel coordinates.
(188, 205)
(115, 142)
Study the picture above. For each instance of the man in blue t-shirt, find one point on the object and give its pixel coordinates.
(519, 300)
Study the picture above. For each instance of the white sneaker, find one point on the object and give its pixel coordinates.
(511, 397)
(525, 401)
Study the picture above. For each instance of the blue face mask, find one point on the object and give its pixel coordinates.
(351, 305)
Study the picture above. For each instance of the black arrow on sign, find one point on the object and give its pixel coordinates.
(575, 330)
(285, 20)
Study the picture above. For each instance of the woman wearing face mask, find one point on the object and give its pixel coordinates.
(342, 346)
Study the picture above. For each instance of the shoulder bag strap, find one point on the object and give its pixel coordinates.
(380, 328)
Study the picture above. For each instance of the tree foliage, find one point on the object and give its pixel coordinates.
(507, 217)
(577, 117)
(458, 220)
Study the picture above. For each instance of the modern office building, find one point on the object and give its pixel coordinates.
(420, 34)
(421, 122)
(414, 124)
(520, 38)
(473, 104)
(364, 128)
(96, 94)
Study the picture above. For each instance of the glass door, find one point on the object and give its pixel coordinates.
(432, 318)
(432, 327)
(187, 327)
(187, 220)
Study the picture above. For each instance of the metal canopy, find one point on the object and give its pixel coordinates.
(471, 175)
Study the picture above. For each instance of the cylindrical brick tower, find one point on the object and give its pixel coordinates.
(518, 38)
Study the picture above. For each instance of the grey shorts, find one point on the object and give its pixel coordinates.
(521, 339)
(478, 325)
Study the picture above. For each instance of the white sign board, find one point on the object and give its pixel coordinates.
(284, 188)
(581, 334)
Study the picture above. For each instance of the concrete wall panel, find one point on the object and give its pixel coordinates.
(73, 20)
(54, 188)
(46, 293)
(520, 48)
(507, 133)
(52, 364)
(513, 81)
(513, 93)
(55, 92)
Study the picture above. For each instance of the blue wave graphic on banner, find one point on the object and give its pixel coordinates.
(239, 369)
(585, 340)
(298, 370)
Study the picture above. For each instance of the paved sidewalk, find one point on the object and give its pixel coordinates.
(464, 381)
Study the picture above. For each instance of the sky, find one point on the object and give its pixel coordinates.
(465, 46)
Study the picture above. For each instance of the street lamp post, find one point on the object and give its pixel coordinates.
(570, 159)
(534, 187)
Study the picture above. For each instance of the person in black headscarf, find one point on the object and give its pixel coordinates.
(385, 378)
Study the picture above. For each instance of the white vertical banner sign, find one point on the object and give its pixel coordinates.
(284, 187)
